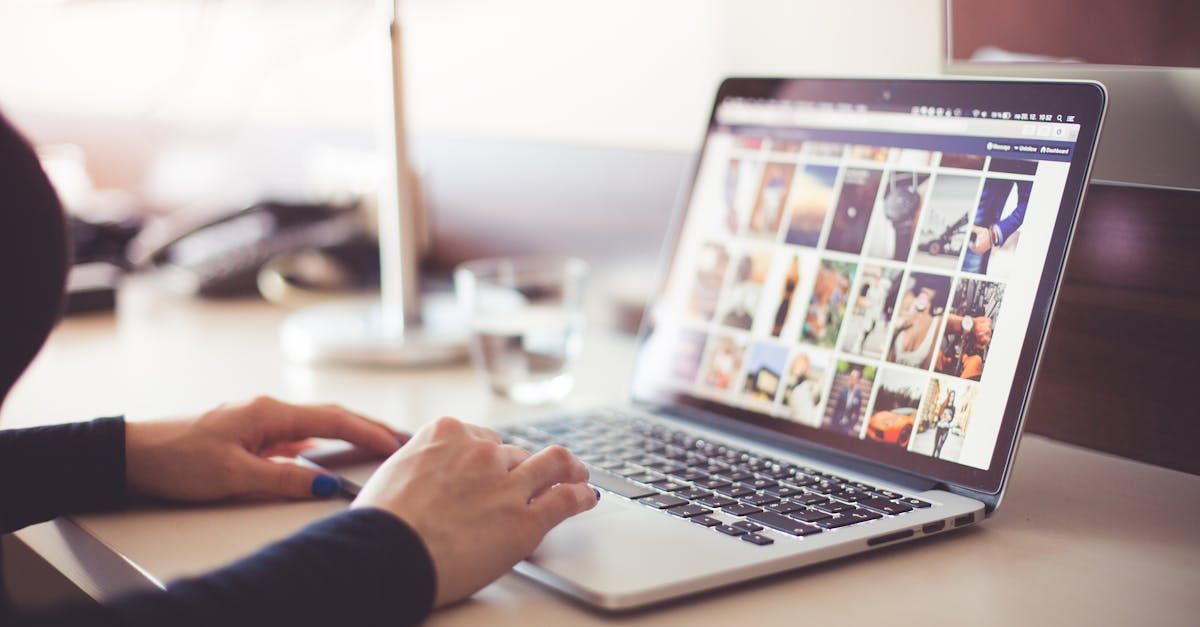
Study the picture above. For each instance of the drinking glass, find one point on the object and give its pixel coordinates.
(525, 316)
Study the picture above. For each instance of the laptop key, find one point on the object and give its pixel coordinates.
(645, 477)
(848, 518)
(911, 502)
(706, 520)
(811, 499)
(757, 538)
(885, 506)
(735, 475)
(748, 527)
(711, 483)
(759, 499)
(735, 491)
(784, 524)
(666, 485)
(785, 507)
(617, 485)
(759, 483)
(661, 501)
(888, 494)
(687, 511)
(803, 480)
(850, 495)
(809, 516)
(738, 509)
(783, 490)
(834, 507)
(715, 501)
(729, 530)
(692, 494)
(688, 474)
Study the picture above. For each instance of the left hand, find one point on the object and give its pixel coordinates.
(224, 452)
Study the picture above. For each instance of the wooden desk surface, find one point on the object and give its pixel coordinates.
(1081, 538)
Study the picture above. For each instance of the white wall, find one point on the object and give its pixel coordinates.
(629, 72)
(131, 80)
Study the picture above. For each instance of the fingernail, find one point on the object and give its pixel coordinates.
(324, 486)
(597, 492)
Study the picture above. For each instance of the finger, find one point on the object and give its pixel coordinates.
(284, 479)
(402, 437)
(551, 465)
(484, 433)
(512, 456)
(283, 422)
(287, 449)
(562, 502)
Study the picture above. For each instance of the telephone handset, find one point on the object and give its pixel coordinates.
(223, 257)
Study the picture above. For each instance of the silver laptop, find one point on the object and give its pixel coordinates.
(853, 302)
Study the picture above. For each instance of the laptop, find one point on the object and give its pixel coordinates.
(852, 306)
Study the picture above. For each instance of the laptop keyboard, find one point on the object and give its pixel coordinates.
(734, 492)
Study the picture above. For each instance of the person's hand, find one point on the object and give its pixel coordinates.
(225, 452)
(479, 506)
(983, 240)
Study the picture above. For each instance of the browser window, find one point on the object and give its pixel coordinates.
(869, 273)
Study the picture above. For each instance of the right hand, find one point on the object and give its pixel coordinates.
(479, 506)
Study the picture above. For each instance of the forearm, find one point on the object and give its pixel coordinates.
(361, 567)
(47, 472)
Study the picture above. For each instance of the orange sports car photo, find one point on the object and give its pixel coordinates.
(892, 427)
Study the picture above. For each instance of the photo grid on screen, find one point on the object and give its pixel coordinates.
(853, 288)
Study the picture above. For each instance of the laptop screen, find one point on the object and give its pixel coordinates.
(865, 274)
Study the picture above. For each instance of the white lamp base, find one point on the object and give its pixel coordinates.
(353, 332)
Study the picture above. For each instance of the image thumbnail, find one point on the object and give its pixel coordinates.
(1013, 166)
(686, 355)
(894, 414)
(741, 181)
(785, 145)
(724, 363)
(969, 326)
(810, 202)
(943, 419)
(903, 158)
(767, 213)
(828, 304)
(943, 231)
(764, 371)
(745, 290)
(894, 221)
(918, 316)
(870, 310)
(791, 280)
(867, 153)
(853, 212)
(804, 386)
(965, 162)
(848, 398)
(822, 149)
(996, 229)
(711, 262)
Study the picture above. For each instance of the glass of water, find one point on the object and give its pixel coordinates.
(526, 320)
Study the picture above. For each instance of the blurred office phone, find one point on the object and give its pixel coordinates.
(223, 257)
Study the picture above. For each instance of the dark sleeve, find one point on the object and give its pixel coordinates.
(1009, 225)
(46, 472)
(362, 567)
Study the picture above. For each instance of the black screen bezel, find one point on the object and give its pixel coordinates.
(1084, 100)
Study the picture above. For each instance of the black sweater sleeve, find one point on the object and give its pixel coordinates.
(46, 472)
(361, 567)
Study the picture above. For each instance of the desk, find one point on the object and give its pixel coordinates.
(1081, 538)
